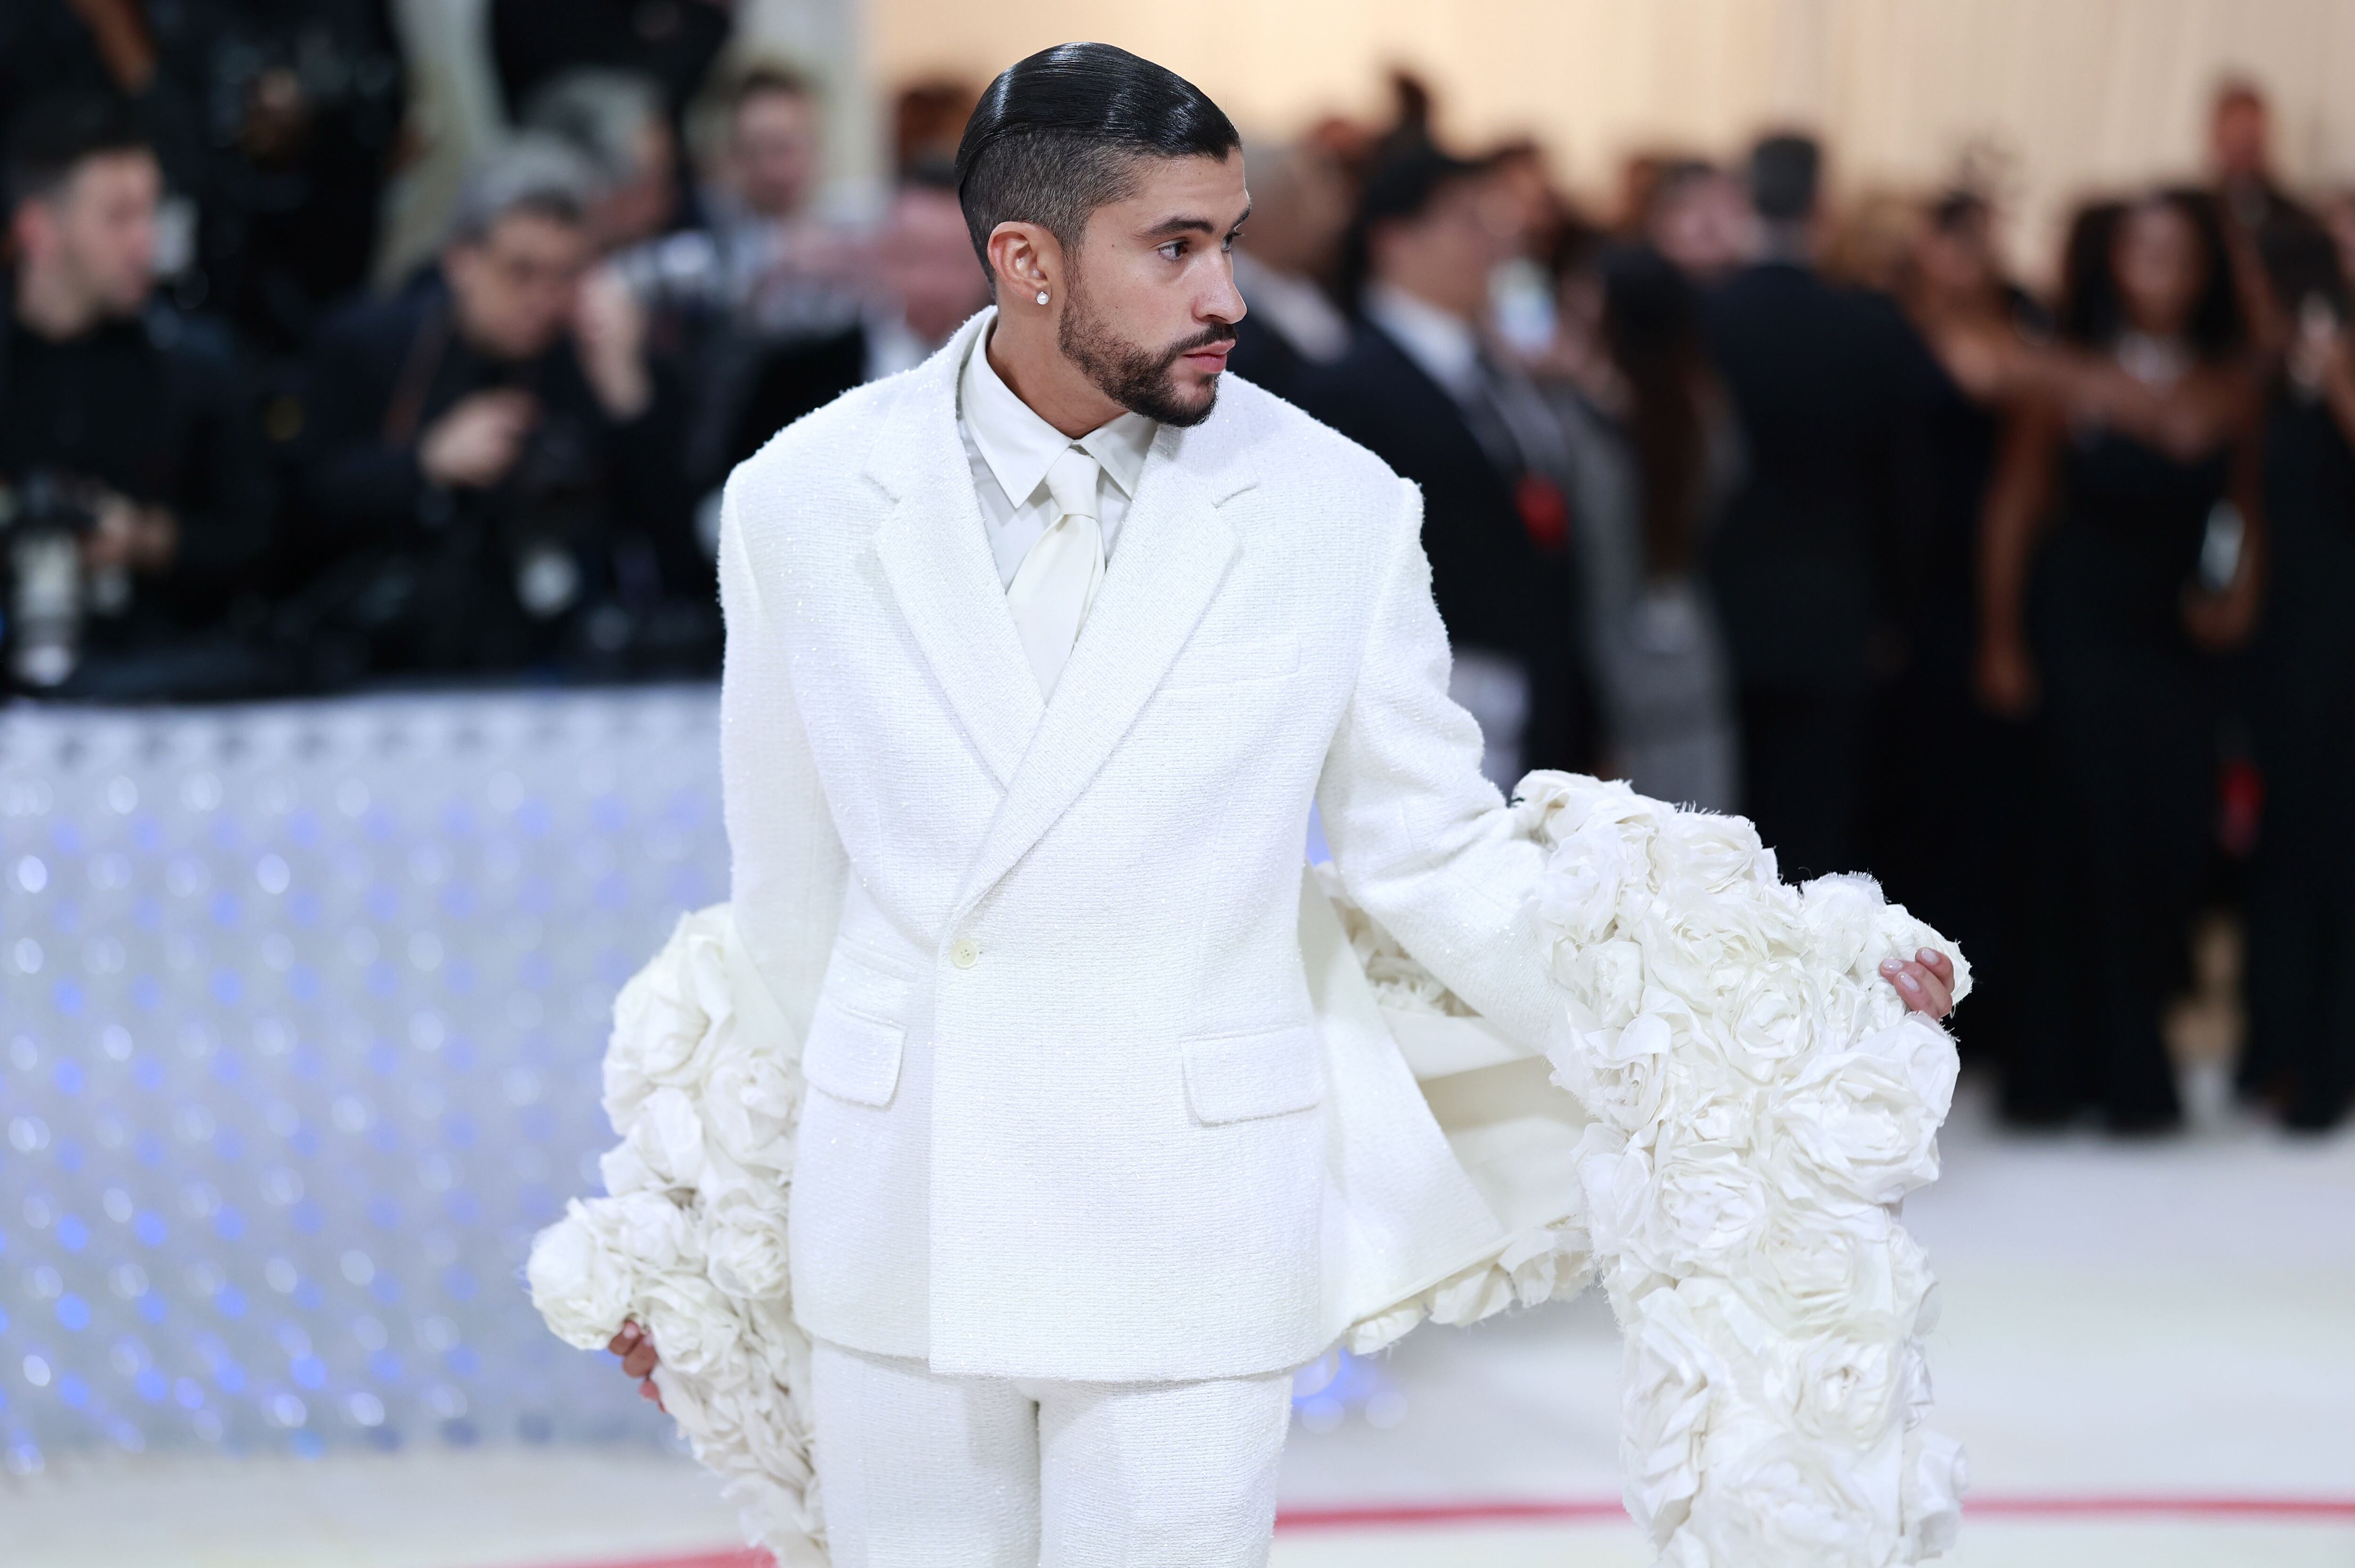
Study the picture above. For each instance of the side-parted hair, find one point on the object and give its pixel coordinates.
(1061, 133)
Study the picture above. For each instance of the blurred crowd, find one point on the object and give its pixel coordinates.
(2030, 603)
(2035, 607)
(234, 461)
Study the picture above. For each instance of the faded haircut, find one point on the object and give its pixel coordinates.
(1063, 132)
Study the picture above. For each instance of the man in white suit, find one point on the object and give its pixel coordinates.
(1038, 657)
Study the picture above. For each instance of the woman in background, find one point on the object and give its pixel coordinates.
(2143, 449)
(2301, 1051)
(1653, 454)
(1985, 344)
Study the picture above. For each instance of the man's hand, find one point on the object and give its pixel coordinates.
(1927, 983)
(130, 535)
(636, 1350)
(610, 330)
(475, 444)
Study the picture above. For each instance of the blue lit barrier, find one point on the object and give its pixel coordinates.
(301, 1008)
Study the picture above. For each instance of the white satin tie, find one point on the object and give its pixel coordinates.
(1058, 579)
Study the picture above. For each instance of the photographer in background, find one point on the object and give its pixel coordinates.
(136, 502)
(491, 458)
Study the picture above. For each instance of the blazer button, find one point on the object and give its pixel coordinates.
(963, 954)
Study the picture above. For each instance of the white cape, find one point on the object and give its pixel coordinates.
(1736, 1105)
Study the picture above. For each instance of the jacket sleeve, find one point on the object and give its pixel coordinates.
(1422, 842)
(787, 863)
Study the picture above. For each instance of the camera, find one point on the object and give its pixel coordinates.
(43, 517)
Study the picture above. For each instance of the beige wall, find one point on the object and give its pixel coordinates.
(2079, 94)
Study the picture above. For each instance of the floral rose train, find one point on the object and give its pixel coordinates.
(1734, 1106)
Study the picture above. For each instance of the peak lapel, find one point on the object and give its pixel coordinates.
(934, 552)
(1173, 551)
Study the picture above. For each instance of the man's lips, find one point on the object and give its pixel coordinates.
(1210, 356)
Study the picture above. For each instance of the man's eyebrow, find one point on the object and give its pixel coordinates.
(1187, 224)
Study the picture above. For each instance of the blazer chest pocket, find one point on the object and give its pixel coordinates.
(851, 1056)
(1242, 1077)
(1226, 663)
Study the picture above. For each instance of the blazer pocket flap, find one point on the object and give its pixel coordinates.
(1217, 664)
(851, 1056)
(1237, 1077)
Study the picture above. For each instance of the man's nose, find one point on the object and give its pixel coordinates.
(1225, 302)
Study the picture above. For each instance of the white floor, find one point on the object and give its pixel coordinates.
(2125, 1329)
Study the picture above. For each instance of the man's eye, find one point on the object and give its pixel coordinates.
(1229, 242)
(1173, 250)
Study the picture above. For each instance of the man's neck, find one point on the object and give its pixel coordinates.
(1034, 367)
(50, 306)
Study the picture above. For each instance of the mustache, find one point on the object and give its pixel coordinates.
(1216, 333)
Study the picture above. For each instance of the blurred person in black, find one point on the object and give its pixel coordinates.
(1284, 261)
(922, 283)
(304, 102)
(2146, 455)
(1653, 454)
(1985, 345)
(1817, 376)
(1698, 217)
(2301, 695)
(674, 42)
(1421, 389)
(491, 459)
(124, 49)
(138, 506)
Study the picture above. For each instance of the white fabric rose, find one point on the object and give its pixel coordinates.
(664, 1150)
(750, 1104)
(1865, 1121)
(745, 1242)
(577, 1285)
(689, 1320)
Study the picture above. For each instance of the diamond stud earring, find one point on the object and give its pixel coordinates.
(1042, 296)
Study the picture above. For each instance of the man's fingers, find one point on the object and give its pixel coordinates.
(1924, 990)
(639, 1361)
(1938, 964)
(647, 1389)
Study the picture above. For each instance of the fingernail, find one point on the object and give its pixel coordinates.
(1889, 966)
(1926, 956)
(1908, 982)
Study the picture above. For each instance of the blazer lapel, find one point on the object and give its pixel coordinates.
(934, 552)
(1173, 553)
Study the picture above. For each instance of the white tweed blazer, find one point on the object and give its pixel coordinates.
(1070, 1116)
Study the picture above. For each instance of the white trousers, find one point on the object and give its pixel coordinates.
(919, 1470)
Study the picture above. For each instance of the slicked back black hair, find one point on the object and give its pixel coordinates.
(1060, 133)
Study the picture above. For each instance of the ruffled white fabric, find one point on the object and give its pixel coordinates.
(1760, 1100)
(702, 1085)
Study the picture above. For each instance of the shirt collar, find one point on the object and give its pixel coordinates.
(1019, 447)
(1442, 346)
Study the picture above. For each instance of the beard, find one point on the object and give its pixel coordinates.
(1138, 378)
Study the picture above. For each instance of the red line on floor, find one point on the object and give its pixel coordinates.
(1381, 1516)
(1376, 1516)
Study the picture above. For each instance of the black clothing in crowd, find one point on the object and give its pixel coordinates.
(2301, 933)
(1801, 557)
(672, 41)
(152, 409)
(580, 550)
(2130, 713)
(1502, 587)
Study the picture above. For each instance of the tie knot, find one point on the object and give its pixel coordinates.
(1071, 478)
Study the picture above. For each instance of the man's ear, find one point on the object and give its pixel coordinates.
(1025, 260)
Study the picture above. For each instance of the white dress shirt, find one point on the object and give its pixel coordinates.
(1444, 347)
(1011, 448)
